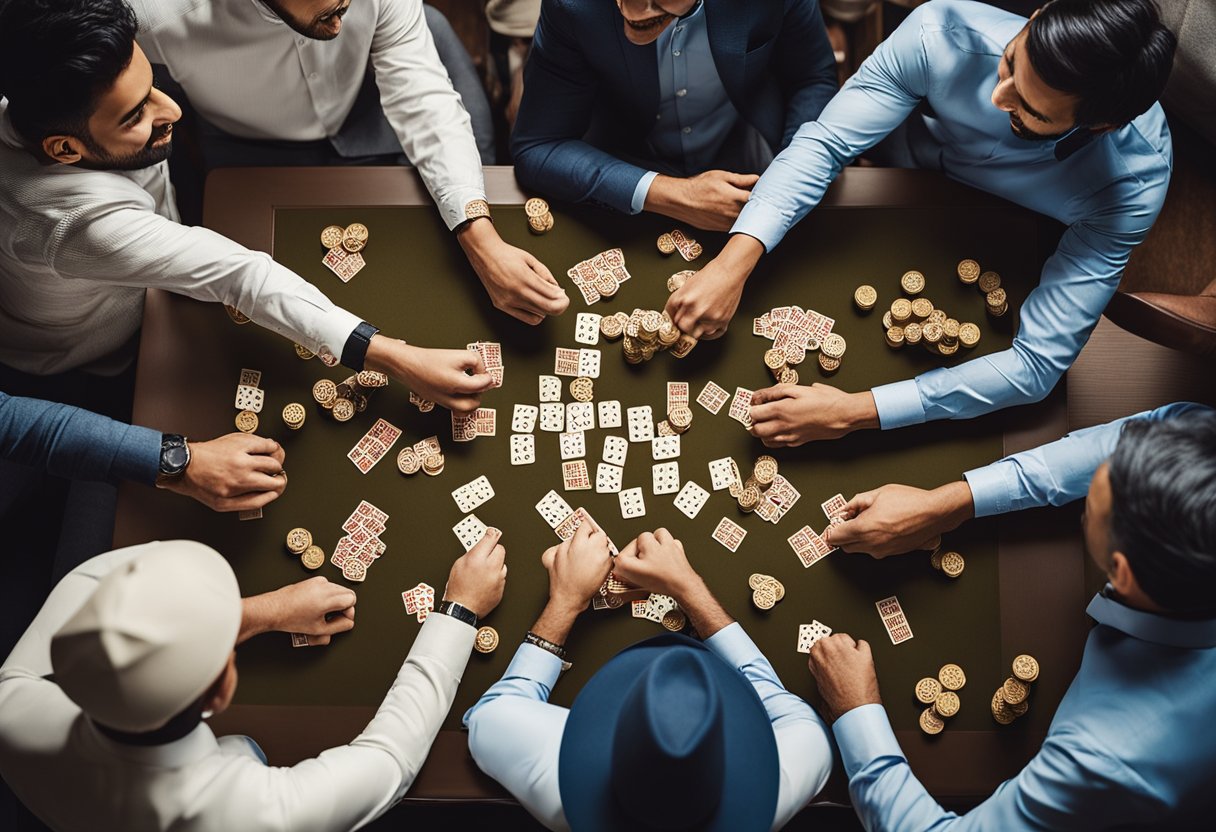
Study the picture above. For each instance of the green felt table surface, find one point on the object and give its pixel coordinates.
(417, 285)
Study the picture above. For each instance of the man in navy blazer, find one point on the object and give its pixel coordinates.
(669, 106)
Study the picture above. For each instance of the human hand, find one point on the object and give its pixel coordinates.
(516, 282)
(705, 304)
(657, 562)
(844, 673)
(711, 200)
(577, 567)
(788, 415)
(479, 576)
(453, 378)
(234, 472)
(899, 518)
(315, 607)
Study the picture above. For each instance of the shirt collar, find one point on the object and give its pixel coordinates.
(267, 13)
(1197, 634)
(196, 745)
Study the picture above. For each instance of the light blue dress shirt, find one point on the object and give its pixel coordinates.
(515, 735)
(695, 113)
(1107, 193)
(1130, 745)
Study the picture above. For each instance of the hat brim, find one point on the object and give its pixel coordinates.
(749, 796)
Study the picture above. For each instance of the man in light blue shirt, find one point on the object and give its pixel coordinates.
(1048, 113)
(536, 750)
(1128, 747)
(668, 106)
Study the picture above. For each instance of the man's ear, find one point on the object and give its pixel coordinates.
(65, 150)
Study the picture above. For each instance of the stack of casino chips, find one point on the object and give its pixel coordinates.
(299, 542)
(342, 401)
(1012, 698)
(779, 366)
(950, 563)
(940, 694)
(914, 320)
(293, 415)
(766, 590)
(645, 333)
(989, 284)
(540, 219)
(750, 492)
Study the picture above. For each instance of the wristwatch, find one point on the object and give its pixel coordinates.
(549, 647)
(174, 456)
(457, 611)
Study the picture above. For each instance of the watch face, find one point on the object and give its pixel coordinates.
(175, 458)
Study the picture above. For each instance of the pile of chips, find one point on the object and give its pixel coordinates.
(343, 400)
(299, 542)
(766, 590)
(950, 563)
(644, 333)
(425, 456)
(1012, 698)
(941, 697)
(914, 320)
(293, 415)
(343, 249)
(540, 219)
(989, 284)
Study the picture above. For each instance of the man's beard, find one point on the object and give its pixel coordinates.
(1023, 132)
(299, 28)
(145, 157)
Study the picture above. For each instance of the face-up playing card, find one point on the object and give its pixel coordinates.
(523, 449)
(464, 427)
(721, 473)
(565, 362)
(809, 546)
(665, 447)
(888, 607)
(641, 423)
(808, 634)
(665, 477)
(677, 395)
(552, 417)
(251, 378)
(834, 508)
(690, 499)
(729, 533)
(580, 416)
(712, 397)
(469, 531)
(250, 398)
(553, 509)
(589, 363)
(575, 476)
(608, 478)
(572, 445)
(550, 389)
(587, 328)
(615, 449)
(472, 494)
(610, 414)
(633, 504)
(741, 406)
(523, 420)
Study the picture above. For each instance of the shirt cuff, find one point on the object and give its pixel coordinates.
(734, 646)
(137, 457)
(990, 491)
(864, 734)
(448, 641)
(451, 205)
(530, 662)
(898, 404)
(763, 221)
(640, 191)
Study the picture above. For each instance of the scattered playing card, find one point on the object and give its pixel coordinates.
(740, 407)
(610, 414)
(550, 389)
(834, 509)
(374, 445)
(633, 504)
(250, 378)
(553, 509)
(608, 478)
(615, 449)
(523, 420)
(808, 634)
(712, 397)
(572, 445)
(809, 546)
(250, 398)
(677, 395)
(566, 362)
(666, 477)
(575, 476)
(589, 363)
(473, 494)
(893, 620)
(690, 499)
(721, 473)
(665, 447)
(729, 533)
(641, 423)
(587, 328)
(523, 449)
(469, 531)
(580, 416)
(552, 417)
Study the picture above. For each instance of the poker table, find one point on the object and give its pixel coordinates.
(1023, 590)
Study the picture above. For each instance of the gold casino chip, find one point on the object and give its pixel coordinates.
(952, 564)
(947, 704)
(298, 539)
(246, 421)
(313, 557)
(930, 722)
(952, 677)
(927, 690)
(331, 236)
(1026, 668)
(968, 271)
(989, 282)
(865, 296)
(912, 282)
(665, 244)
(293, 415)
(487, 640)
(354, 237)
(674, 620)
(1015, 690)
(344, 410)
(536, 207)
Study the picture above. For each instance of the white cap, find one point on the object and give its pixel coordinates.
(153, 636)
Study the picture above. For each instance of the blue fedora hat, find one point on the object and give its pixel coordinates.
(668, 736)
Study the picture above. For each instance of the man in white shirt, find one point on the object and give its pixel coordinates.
(140, 645)
(292, 70)
(87, 219)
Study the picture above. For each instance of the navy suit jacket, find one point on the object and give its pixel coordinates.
(589, 93)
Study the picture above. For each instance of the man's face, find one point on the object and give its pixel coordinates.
(1095, 521)
(645, 20)
(1036, 111)
(316, 19)
(132, 127)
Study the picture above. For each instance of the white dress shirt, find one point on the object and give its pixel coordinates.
(515, 735)
(78, 247)
(250, 74)
(74, 778)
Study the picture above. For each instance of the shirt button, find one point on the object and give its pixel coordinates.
(679, 28)
(676, 53)
(687, 130)
(659, 116)
(681, 93)
(312, 76)
(302, 41)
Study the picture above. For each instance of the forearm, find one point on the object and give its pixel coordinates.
(571, 170)
(706, 614)
(259, 614)
(557, 620)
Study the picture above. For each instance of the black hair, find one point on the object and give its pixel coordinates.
(57, 58)
(1163, 509)
(1113, 55)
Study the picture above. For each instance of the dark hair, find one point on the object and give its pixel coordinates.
(1113, 55)
(57, 58)
(1163, 509)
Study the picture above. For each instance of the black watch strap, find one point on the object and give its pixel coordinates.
(174, 456)
(354, 352)
(460, 613)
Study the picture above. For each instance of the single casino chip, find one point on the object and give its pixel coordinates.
(912, 333)
(294, 415)
(1015, 690)
(1001, 711)
(788, 376)
(344, 410)
(764, 598)
(896, 337)
(331, 237)
(901, 310)
(432, 465)
(922, 308)
(912, 282)
(757, 580)
(354, 570)
(536, 207)
(928, 689)
(674, 620)
(952, 677)
(947, 704)
(968, 271)
(246, 421)
(541, 225)
(313, 557)
(865, 296)
(930, 722)
(828, 365)
(834, 345)
(298, 539)
(968, 335)
(989, 282)
(324, 391)
(952, 564)
(666, 244)
(486, 640)
(1026, 668)
(237, 316)
(408, 461)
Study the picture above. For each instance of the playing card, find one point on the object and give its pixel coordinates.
(888, 607)
(665, 447)
(589, 363)
(523, 419)
(721, 473)
(809, 546)
(610, 414)
(729, 533)
(580, 416)
(712, 397)
(575, 476)
(523, 449)
(690, 499)
(677, 395)
(469, 531)
(808, 634)
(349, 266)
(633, 504)
(473, 494)
(641, 424)
(566, 362)
(587, 328)
(572, 445)
(608, 478)
(485, 421)
(249, 398)
(740, 406)
(552, 417)
(251, 378)
(464, 427)
(834, 508)
(665, 477)
(615, 449)
(553, 509)
(249, 514)
(550, 389)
